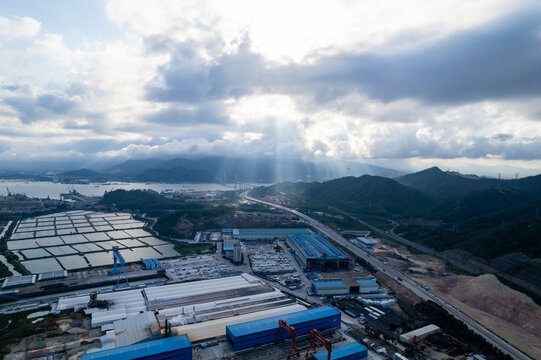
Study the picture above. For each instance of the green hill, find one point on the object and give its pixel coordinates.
(457, 208)
(444, 183)
(486, 222)
(367, 194)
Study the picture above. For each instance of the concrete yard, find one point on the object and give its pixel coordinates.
(82, 239)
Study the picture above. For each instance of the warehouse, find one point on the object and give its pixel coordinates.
(329, 288)
(200, 309)
(263, 234)
(18, 281)
(344, 283)
(420, 333)
(314, 252)
(207, 330)
(265, 331)
(365, 242)
(178, 347)
(160, 297)
(352, 351)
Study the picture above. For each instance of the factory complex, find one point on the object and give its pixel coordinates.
(264, 294)
(166, 321)
(199, 309)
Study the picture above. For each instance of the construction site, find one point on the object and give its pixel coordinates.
(505, 311)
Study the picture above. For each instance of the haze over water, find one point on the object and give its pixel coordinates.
(43, 189)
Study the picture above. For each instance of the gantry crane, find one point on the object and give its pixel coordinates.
(293, 352)
(314, 334)
(118, 258)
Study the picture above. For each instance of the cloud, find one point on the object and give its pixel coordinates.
(208, 113)
(347, 80)
(16, 26)
(52, 46)
(496, 61)
(502, 137)
(35, 108)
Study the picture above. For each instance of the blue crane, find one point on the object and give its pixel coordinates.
(118, 258)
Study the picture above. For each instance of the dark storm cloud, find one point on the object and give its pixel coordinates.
(502, 137)
(31, 108)
(498, 60)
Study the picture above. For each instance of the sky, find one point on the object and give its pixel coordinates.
(402, 84)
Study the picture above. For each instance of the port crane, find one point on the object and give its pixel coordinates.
(314, 334)
(293, 352)
(118, 258)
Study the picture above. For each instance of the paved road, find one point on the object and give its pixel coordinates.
(417, 289)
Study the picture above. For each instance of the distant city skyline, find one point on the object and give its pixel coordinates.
(405, 85)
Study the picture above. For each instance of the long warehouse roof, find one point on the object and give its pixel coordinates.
(315, 246)
(272, 322)
(342, 352)
(214, 328)
(185, 290)
(266, 232)
(142, 350)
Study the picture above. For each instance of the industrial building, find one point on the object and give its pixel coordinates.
(200, 309)
(344, 283)
(420, 333)
(366, 242)
(265, 331)
(351, 351)
(228, 246)
(178, 347)
(314, 252)
(18, 281)
(263, 234)
(151, 263)
(237, 253)
(53, 275)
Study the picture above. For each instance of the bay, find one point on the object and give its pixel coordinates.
(44, 189)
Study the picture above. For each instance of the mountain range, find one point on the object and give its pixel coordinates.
(444, 210)
(220, 169)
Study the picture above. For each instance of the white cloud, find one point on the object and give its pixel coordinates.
(289, 30)
(105, 85)
(53, 47)
(16, 26)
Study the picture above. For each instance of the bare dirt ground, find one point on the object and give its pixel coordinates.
(507, 312)
(64, 337)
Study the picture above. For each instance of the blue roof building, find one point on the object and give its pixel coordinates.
(263, 234)
(177, 347)
(314, 252)
(265, 331)
(352, 351)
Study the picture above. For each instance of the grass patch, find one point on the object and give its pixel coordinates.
(4, 271)
(19, 328)
(189, 249)
(10, 257)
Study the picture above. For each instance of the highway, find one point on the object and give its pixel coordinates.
(417, 289)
